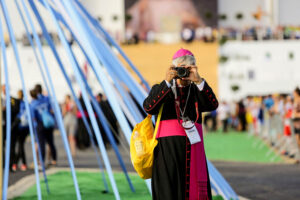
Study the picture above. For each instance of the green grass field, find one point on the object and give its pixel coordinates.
(232, 146)
(236, 146)
(91, 187)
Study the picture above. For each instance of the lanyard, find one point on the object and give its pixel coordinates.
(177, 98)
(178, 112)
(177, 104)
(187, 99)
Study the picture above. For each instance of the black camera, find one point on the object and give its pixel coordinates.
(182, 72)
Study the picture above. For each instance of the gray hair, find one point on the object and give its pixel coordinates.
(184, 60)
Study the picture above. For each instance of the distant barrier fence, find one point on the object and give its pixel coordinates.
(278, 132)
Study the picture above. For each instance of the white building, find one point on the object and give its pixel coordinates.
(258, 68)
(110, 13)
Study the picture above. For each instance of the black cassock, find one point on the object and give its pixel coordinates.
(169, 178)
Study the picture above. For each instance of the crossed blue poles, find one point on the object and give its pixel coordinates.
(86, 99)
(51, 44)
(107, 130)
(56, 109)
(116, 66)
(113, 42)
(13, 41)
(89, 46)
(47, 87)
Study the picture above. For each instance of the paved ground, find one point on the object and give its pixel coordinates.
(250, 180)
(262, 181)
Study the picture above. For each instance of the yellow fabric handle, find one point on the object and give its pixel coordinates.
(157, 123)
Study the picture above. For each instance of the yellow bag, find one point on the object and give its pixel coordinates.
(142, 144)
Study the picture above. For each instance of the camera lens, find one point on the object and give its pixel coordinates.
(181, 72)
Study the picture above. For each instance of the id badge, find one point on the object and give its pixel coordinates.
(191, 131)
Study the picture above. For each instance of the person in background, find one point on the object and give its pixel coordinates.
(268, 101)
(110, 116)
(70, 122)
(253, 112)
(23, 131)
(42, 115)
(82, 136)
(261, 115)
(296, 119)
(188, 34)
(242, 116)
(214, 120)
(234, 121)
(288, 113)
(276, 126)
(99, 99)
(223, 114)
(211, 116)
(287, 131)
(15, 104)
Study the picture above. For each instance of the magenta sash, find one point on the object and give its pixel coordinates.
(198, 170)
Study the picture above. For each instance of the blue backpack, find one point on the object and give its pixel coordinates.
(47, 119)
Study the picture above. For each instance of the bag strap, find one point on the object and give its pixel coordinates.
(157, 122)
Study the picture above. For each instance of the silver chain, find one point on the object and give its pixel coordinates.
(184, 109)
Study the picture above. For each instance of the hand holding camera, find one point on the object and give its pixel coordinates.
(187, 73)
(193, 75)
(171, 74)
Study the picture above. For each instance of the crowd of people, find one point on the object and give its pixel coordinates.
(210, 34)
(260, 33)
(44, 124)
(275, 118)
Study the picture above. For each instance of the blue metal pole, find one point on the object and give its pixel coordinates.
(56, 108)
(45, 81)
(13, 41)
(107, 87)
(86, 99)
(8, 117)
(104, 123)
(112, 41)
(80, 108)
